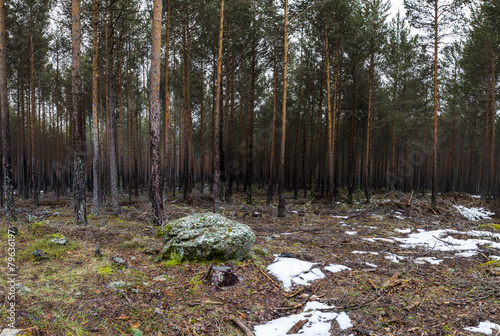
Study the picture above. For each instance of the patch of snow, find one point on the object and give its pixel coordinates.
(474, 213)
(466, 254)
(10, 332)
(336, 268)
(340, 217)
(292, 271)
(318, 322)
(369, 227)
(371, 265)
(440, 240)
(364, 252)
(485, 328)
(430, 260)
(393, 257)
(495, 257)
(402, 230)
(373, 240)
(351, 233)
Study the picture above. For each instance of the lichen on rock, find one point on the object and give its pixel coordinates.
(205, 237)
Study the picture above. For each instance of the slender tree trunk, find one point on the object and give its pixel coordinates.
(296, 180)
(166, 152)
(281, 187)
(270, 185)
(8, 185)
(95, 116)
(330, 119)
(352, 138)
(366, 168)
(217, 112)
(113, 169)
(79, 150)
(154, 122)
(34, 161)
(249, 161)
(435, 96)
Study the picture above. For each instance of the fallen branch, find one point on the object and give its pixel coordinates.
(296, 327)
(240, 324)
(267, 276)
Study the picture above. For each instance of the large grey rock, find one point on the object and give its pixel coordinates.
(206, 236)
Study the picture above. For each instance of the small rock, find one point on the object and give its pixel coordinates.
(256, 214)
(158, 311)
(22, 289)
(38, 254)
(120, 262)
(133, 258)
(223, 276)
(118, 284)
(59, 241)
(287, 255)
(13, 231)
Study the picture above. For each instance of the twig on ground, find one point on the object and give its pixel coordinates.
(240, 324)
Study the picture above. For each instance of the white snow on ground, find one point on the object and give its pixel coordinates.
(292, 271)
(373, 240)
(351, 233)
(402, 231)
(371, 265)
(466, 254)
(485, 328)
(340, 217)
(430, 260)
(441, 240)
(474, 213)
(318, 323)
(495, 257)
(393, 257)
(365, 252)
(336, 268)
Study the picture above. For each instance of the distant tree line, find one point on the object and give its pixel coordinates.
(309, 97)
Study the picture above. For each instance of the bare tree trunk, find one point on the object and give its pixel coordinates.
(95, 117)
(435, 96)
(78, 119)
(330, 120)
(281, 187)
(270, 185)
(167, 104)
(154, 121)
(34, 161)
(366, 168)
(113, 169)
(8, 185)
(250, 125)
(217, 112)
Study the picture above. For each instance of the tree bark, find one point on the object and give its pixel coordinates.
(435, 96)
(281, 187)
(95, 116)
(8, 185)
(217, 112)
(154, 121)
(113, 169)
(79, 149)
(270, 185)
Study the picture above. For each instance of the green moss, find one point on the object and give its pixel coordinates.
(172, 262)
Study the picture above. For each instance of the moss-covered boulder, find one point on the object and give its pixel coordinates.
(206, 236)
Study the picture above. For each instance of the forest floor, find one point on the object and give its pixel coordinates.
(385, 291)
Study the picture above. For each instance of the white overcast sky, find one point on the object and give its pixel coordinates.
(396, 5)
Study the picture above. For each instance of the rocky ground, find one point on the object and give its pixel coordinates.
(387, 290)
